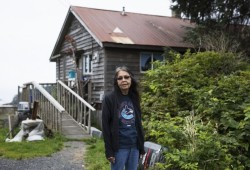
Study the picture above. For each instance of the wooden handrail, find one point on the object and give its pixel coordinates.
(75, 105)
(49, 110)
(47, 95)
(76, 95)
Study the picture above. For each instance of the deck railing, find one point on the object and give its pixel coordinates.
(55, 99)
(49, 110)
(75, 105)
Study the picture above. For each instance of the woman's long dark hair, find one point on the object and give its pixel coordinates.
(133, 91)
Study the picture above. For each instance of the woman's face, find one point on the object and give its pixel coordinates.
(124, 81)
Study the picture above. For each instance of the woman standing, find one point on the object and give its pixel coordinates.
(121, 122)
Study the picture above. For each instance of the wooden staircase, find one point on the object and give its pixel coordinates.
(61, 109)
(71, 129)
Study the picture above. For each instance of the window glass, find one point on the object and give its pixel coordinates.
(90, 63)
(157, 57)
(145, 61)
(87, 64)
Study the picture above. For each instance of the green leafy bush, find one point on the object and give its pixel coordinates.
(198, 105)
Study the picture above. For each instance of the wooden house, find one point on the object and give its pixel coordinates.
(94, 42)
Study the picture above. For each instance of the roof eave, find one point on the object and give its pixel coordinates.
(60, 38)
(141, 47)
(86, 27)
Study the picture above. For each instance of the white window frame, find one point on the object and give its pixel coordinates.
(87, 65)
(150, 60)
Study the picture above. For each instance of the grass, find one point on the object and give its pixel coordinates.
(94, 158)
(95, 155)
(25, 150)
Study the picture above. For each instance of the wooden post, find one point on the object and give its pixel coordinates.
(89, 91)
(34, 112)
(10, 126)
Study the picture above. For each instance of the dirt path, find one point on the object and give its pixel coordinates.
(70, 158)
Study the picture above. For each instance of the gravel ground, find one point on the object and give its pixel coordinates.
(71, 157)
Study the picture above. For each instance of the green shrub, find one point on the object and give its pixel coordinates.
(198, 106)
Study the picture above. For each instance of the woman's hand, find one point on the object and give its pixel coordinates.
(111, 159)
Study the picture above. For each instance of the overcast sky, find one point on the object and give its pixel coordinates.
(29, 30)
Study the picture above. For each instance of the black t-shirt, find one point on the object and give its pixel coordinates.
(127, 128)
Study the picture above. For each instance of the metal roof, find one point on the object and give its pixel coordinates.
(132, 28)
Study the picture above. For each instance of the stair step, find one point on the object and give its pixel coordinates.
(71, 129)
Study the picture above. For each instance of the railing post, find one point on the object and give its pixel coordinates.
(72, 105)
(49, 109)
(89, 122)
(89, 91)
(24, 94)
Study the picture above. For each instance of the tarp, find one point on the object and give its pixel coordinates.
(31, 130)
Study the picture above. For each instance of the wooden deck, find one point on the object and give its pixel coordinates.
(71, 129)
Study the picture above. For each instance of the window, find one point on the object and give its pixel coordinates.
(87, 64)
(146, 60)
